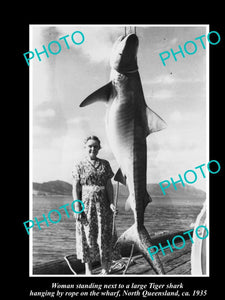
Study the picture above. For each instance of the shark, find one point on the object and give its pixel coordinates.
(129, 121)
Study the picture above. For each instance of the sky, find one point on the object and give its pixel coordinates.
(58, 84)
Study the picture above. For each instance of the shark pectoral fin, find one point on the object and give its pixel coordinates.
(155, 123)
(147, 199)
(129, 204)
(120, 177)
(102, 94)
(130, 201)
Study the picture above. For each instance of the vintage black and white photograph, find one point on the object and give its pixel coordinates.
(119, 150)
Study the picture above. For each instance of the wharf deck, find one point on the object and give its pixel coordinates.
(175, 263)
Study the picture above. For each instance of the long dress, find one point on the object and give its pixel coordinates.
(94, 238)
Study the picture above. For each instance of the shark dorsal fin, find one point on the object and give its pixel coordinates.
(155, 123)
(102, 94)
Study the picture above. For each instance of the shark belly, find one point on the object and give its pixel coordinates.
(128, 143)
(120, 127)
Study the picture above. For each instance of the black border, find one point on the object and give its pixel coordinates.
(21, 140)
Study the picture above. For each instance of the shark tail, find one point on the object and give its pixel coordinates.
(142, 241)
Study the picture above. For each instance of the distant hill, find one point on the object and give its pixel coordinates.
(56, 187)
(59, 187)
(181, 192)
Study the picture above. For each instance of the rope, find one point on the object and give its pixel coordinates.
(129, 260)
(115, 203)
(114, 216)
(69, 265)
(130, 30)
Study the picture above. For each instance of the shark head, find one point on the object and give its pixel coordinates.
(124, 54)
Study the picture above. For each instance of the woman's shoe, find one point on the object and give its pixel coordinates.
(104, 272)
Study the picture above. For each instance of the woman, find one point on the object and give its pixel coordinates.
(92, 184)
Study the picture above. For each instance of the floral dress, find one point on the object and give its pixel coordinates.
(94, 237)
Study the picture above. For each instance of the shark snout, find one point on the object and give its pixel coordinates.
(126, 43)
(132, 36)
(124, 53)
(129, 36)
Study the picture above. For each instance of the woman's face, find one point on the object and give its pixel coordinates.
(92, 148)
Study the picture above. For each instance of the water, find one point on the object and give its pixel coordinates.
(58, 240)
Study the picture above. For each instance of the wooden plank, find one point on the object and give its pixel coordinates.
(176, 261)
(174, 267)
(54, 267)
(182, 268)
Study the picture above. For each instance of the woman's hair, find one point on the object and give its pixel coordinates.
(95, 138)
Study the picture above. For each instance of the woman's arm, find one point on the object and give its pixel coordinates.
(110, 194)
(77, 195)
(109, 190)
